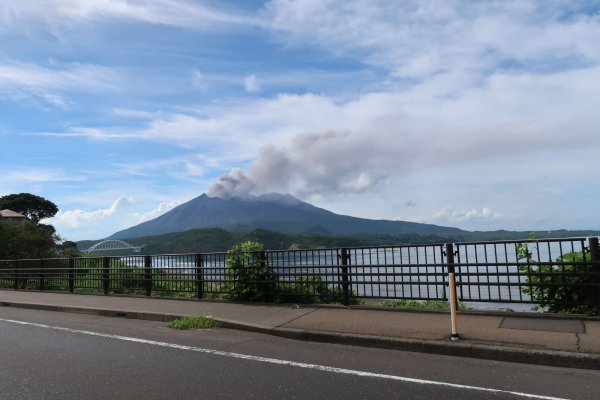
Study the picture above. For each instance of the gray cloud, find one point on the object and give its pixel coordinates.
(315, 163)
(233, 184)
(334, 162)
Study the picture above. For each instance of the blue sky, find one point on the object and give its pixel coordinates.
(478, 114)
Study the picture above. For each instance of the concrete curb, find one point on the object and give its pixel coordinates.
(460, 349)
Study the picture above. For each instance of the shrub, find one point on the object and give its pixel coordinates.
(557, 287)
(429, 304)
(312, 290)
(247, 274)
(194, 322)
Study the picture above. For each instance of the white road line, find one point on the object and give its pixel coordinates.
(280, 362)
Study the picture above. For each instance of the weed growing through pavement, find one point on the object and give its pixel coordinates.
(430, 304)
(194, 322)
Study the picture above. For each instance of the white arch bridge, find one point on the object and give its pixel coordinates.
(107, 245)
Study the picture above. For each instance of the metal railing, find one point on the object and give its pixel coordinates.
(547, 273)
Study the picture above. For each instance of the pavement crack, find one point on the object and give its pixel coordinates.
(578, 342)
(299, 316)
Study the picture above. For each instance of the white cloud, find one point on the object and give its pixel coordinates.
(27, 176)
(21, 81)
(421, 38)
(190, 167)
(388, 134)
(136, 114)
(162, 208)
(251, 84)
(445, 215)
(78, 224)
(198, 80)
(310, 145)
(77, 77)
(498, 111)
(57, 13)
(75, 218)
(193, 169)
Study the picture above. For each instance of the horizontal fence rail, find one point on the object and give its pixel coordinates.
(547, 274)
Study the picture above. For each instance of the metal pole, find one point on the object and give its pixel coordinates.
(71, 274)
(199, 280)
(345, 258)
(595, 256)
(148, 274)
(265, 286)
(454, 335)
(452, 286)
(106, 275)
(42, 275)
(16, 269)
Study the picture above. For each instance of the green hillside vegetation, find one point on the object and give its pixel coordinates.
(219, 240)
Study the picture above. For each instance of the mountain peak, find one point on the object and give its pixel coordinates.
(279, 198)
(273, 197)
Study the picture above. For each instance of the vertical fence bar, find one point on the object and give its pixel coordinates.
(105, 274)
(452, 286)
(16, 277)
(199, 281)
(595, 256)
(148, 274)
(450, 257)
(345, 258)
(42, 275)
(71, 272)
(264, 286)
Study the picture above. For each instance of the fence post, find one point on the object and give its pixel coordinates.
(595, 256)
(42, 275)
(148, 274)
(105, 274)
(71, 272)
(264, 286)
(452, 286)
(199, 280)
(16, 277)
(345, 258)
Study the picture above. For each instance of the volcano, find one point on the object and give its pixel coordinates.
(273, 211)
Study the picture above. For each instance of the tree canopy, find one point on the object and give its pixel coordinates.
(33, 207)
(28, 240)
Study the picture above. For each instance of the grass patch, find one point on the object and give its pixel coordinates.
(425, 304)
(194, 322)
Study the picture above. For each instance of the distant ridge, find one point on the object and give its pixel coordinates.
(273, 211)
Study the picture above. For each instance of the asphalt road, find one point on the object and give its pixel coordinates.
(52, 355)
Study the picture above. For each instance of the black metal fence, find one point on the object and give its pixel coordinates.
(551, 274)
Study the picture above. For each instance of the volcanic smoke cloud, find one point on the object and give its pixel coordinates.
(315, 163)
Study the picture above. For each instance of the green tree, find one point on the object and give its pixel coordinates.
(27, 240)
(69, 249)
(249, 277)
(33, 207)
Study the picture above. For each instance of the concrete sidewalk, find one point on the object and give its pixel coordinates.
(572, 342)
